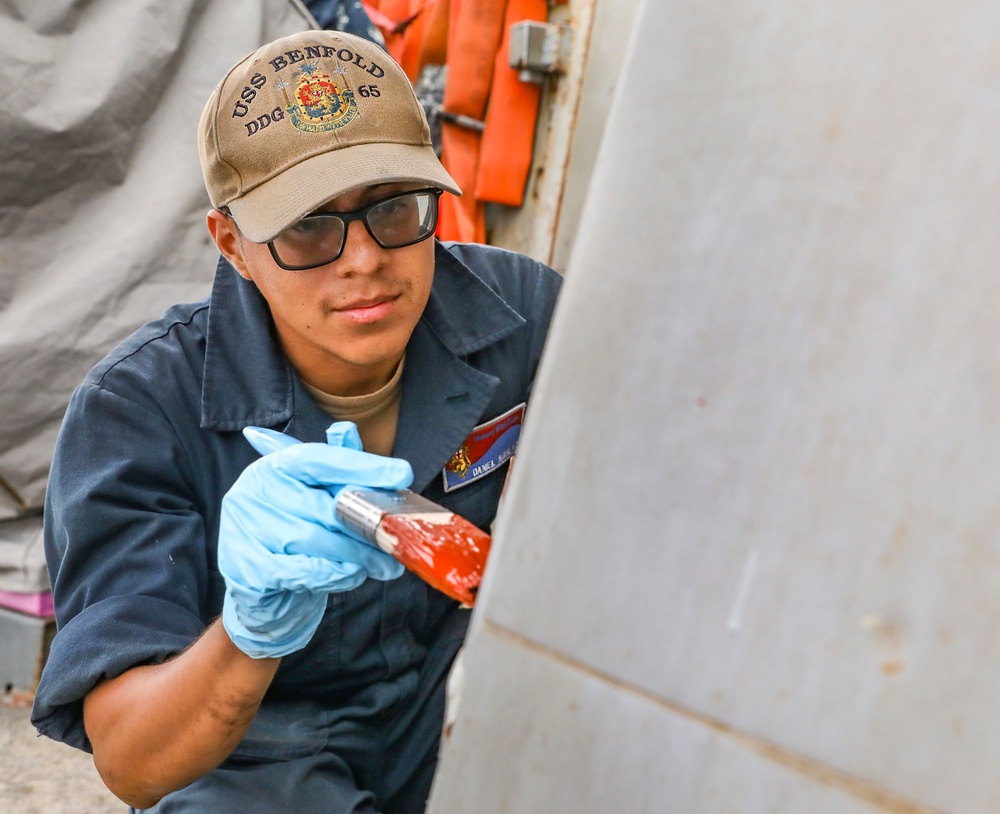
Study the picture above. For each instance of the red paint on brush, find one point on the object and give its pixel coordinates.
(442, 548)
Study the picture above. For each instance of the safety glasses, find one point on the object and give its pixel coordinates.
(393, 222)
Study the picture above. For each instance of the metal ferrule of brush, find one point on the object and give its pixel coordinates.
(358, 514)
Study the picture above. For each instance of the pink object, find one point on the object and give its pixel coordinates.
(32, 604)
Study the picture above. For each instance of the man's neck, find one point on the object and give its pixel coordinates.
(339, 378)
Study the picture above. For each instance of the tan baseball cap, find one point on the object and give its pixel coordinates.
(306, 118)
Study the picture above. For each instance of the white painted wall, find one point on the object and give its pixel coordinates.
(749, 559)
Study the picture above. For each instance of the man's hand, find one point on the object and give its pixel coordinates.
(281, 550)
(158, 727)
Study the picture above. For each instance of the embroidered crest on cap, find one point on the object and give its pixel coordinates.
(488, 446)
(320, 104)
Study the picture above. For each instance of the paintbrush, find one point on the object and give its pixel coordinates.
(442, 548)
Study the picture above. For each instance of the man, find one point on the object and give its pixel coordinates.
(224, 645)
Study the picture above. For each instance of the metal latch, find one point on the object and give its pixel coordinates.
(538, 49)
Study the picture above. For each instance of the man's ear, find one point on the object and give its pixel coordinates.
(223, 230)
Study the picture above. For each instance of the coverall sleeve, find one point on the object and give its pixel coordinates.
(126, 550)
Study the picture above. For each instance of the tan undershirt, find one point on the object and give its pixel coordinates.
(376, 414)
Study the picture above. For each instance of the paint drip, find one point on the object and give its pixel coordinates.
(442, 548)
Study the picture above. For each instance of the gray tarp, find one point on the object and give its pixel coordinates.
(101, 199)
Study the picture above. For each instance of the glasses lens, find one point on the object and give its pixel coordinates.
(403, 219)
(318, 239)
(313, 241)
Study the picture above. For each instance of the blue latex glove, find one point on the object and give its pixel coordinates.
(281, 550)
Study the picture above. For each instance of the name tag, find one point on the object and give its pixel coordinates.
(488, 447)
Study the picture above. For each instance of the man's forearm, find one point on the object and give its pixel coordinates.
(157, 728)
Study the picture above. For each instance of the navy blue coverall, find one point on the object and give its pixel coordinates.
(150, 444)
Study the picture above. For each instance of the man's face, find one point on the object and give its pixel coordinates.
(344, 326)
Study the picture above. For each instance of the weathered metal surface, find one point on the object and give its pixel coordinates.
(757, 500)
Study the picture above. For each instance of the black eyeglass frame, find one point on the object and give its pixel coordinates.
(347, 218)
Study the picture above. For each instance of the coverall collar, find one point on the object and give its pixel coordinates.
(248, 380)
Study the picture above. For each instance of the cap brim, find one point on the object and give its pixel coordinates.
(265, 211)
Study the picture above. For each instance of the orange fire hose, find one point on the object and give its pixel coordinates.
(506, 148)
(472, 37)
(475, 31)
